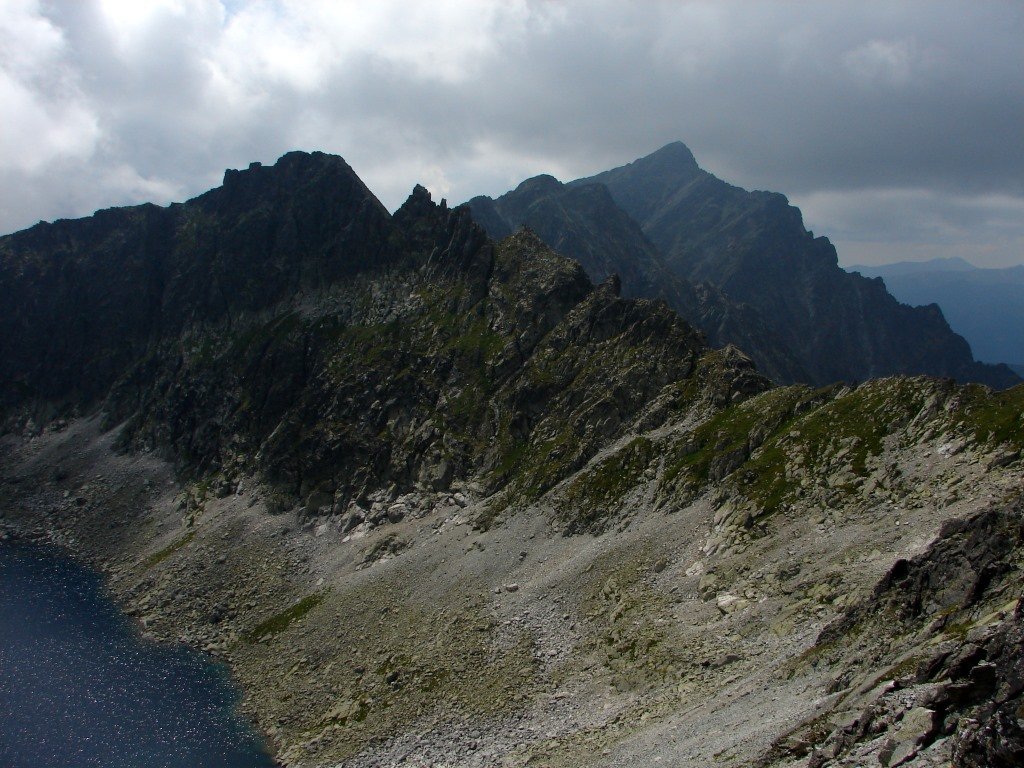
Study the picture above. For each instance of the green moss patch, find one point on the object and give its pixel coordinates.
(279, 622)
(158, 557)
(590, 498)
(841, 434)
(726, 440)
(994, 418)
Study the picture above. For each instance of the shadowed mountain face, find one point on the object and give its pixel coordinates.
(985, 305)
(84, 299)
(754, 248)
(584, 223)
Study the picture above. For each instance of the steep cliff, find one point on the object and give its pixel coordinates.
(584, 223)
(753, 246)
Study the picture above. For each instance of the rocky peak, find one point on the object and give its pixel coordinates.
(754, 248)
(418, 203)
(447, 240)
(641, 186)
(526, 239)
(542, 184)
(295, 163)
(674, 156)
(611, 285)
(84, 298)
(584, 222)
(295, 173)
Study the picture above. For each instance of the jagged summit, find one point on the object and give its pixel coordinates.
(304, 175)
(419, 203)
(584, 222)
(754, 249)
(292, 169)
(419, 192)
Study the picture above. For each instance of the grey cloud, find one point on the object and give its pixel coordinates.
(879, 226)
(844, 106)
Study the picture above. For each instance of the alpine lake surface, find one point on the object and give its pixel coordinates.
(79, 686)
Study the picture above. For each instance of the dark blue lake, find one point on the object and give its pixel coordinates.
(80, 688)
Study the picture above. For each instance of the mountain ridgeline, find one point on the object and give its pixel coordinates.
(741, 267)
(442, 498)
(985, 305)
(284, 324)
(584, 223)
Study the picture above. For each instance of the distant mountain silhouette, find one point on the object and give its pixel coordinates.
(953, 264)
(985, 306)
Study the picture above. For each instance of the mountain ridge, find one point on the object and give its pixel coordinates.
(584, 223)
(754, 248)
(985, 305)
(944, 264)
(437, 499)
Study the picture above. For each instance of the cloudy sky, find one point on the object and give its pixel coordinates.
(898, 128)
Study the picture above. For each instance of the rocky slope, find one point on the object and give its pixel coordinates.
(440, 500)
(754, 248)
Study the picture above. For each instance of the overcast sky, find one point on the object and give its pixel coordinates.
(898, 128)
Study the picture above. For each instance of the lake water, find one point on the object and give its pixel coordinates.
(80, 688)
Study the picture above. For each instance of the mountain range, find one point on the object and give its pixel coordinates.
(985, 305)
(438, 497)
(742, 268)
